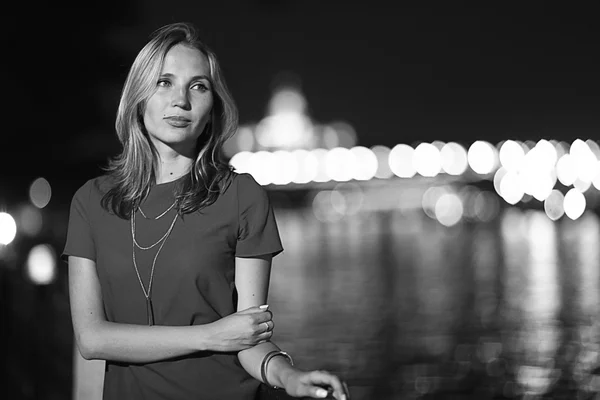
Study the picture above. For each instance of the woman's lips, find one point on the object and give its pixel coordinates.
(178, 122)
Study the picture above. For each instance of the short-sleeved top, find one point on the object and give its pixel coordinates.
(193, 279)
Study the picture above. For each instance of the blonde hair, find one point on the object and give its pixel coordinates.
(132, 172)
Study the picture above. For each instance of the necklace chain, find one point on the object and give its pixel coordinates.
(155, 218)
(166, 211)
(148, 293)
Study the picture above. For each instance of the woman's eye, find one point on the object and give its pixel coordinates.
(163, 83)
(200, 86)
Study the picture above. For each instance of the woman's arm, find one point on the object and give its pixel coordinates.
(97, 338)
(252, 277)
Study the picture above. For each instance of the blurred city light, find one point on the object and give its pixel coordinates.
(482, 157)
(574, 204)
(511, 155)
(40, 193)
(448, 209)
(366, 163)
(426, 160)
(453, 158)
(29, 220)
(382, 153)
(41, 264)
(401, 161)
(554, 205)
(8, 228)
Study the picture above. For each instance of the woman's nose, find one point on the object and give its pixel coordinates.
(180, 99)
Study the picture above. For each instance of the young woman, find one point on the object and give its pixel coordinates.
(170, 251)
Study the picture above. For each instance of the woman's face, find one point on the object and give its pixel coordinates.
(178, 111)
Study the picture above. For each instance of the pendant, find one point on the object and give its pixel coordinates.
(149, 311)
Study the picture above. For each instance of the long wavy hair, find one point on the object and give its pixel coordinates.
(132, 173)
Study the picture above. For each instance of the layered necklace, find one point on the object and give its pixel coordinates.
(161, 242)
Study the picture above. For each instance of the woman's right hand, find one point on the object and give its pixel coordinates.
(241, 330)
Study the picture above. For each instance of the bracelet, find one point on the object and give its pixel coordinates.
(265, 362)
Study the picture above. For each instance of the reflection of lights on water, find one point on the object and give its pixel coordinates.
(536, 380)
(41, 264)
(401, 161)
(544, 294)
(574, 204)
(486, 206)
(323, 207)
(511, 155)
(426, 160)
(382, 153)
(482, 157)
(332, 205)
(589, 257)
(40, 193)
(554, 205)
(448, 209)
(453, 159)
(352, 197)
(430, 198)
(8, 228)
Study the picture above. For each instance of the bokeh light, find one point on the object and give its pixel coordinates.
(366, 163)
(40, 192)
(482, 157)
(383, 165)
(554, 205)
(454, 159)
(41, 264)
(448, 209)
(29, 220)
(401, 161)
(511, 155)
(426, 160)
(574, 204)
(8, 228)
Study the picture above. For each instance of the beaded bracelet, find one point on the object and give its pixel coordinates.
(265, 362)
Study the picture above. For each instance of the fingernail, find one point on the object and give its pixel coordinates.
(321, 393)
(264, 307)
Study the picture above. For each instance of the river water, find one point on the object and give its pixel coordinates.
(403, 307)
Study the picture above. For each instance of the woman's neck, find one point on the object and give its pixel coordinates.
(170, 169)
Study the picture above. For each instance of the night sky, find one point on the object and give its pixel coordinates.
(520, 70)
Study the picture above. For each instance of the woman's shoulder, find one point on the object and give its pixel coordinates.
(245, 181)
(248, 189)
(94, 187)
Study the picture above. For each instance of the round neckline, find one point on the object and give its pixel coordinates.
(170, 182)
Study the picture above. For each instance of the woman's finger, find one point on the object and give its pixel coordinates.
(325, 378)
(318, 392)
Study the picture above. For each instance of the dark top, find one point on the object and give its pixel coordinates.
(193, 280)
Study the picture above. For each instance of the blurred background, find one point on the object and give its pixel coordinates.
(434, 169)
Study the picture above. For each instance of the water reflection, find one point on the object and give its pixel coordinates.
(405, 308)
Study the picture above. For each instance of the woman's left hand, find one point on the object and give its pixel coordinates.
(314, 384)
